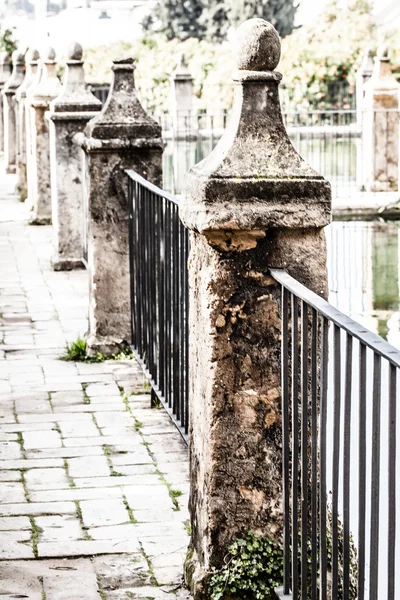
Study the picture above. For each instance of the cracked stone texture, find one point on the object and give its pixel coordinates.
(83, 512)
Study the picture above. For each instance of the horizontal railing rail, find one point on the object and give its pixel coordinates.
(159, 246)
(339, 387)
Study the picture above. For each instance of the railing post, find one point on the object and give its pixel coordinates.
(38, 101)
(69, 114)
(251, 205)
(362, 76)
(31, 61)
(381, 127)
(4, 76)
(181, 98)
(10, 123)
(121, 137)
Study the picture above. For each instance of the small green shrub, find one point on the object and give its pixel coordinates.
(77, 352)
(253, 568)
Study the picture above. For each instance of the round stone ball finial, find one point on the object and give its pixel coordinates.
(383, 52)
(49, 54)
(18, 56)
(4, 58)
(257, 46)
(75, 51)
(32, 55)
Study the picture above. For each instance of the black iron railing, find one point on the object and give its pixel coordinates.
(159, 246)
(340, 387)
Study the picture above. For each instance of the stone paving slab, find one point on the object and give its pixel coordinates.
(90, 474)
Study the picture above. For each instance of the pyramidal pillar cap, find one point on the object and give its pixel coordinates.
(254, 179)
(75, 100)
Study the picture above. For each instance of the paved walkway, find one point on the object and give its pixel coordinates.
(93, 482)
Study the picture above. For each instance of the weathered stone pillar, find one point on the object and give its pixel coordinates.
(252, 204)
(30, 158)
(10, 123)
(362, 76)
(38, 99)
(31, 61)
(181, 98)
(122, 137)
(69, 114)
(5, 71)
(381, 127)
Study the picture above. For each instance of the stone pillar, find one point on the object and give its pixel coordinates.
(31, 61)
(69, 114)
(252, 204)
(30, 160)
(5, 71)
(381, 127)
(181, 98)
(10, 123)
(362, 76)
(122, 137)
(39, 99)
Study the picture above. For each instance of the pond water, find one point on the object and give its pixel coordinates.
(364, 274)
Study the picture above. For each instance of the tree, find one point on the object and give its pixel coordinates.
(280, 13)
(211, 19)
(177, 19)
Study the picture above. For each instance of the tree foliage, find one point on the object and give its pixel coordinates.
(280, 13)
(7, 40)
(211, 19)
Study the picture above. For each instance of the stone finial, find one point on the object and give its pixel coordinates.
(48, 86)
(32, 56)
(182, 72)
(123, 119)
(17, 75)
(18, 57)
(49, 54)
(383, 53)
(5, 64)
(74, 96)
(4, 58)
(257, 46)
(382, 78)
(255, 157)
(367, 65)
(75, 52)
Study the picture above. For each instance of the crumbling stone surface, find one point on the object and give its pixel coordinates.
(10, 122)
(32, 64)
(39, 98)
(121, 137)
(253, 204)
(69, 114)
(4, 76)
(381, 127)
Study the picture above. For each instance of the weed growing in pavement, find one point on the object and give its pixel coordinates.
(77, 352)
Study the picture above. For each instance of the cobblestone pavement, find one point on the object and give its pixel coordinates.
(93, 482)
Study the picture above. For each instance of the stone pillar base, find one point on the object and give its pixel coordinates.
(196, 578)
(66, 264)
(104, 345)
(39, 220)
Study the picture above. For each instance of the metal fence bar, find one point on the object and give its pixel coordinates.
(323, 393)
(159, 296)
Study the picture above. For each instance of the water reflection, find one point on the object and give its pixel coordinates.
(363, 267)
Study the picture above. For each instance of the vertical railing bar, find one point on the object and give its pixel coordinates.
(323, 570)
(362, 470)
(295, 448)
(392, 522)
(186, 331)
(314, 456)
(285, 440)
(335, 460)
(346, 468)
(375, 480)
(304, 450)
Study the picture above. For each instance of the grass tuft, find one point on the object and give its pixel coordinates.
(77, 352)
